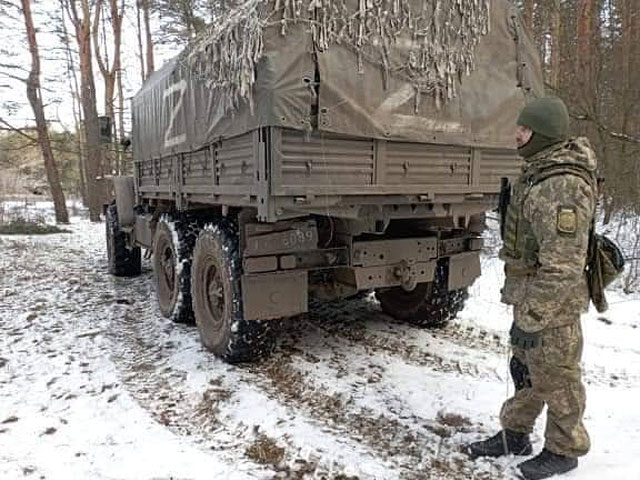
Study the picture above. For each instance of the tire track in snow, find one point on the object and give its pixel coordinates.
(455, 348)
(146, 346)
(416, 453)
(158, 387)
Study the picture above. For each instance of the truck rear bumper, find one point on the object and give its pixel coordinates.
(284, 291)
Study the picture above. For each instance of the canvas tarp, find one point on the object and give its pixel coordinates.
(482, 111)
(409, 72)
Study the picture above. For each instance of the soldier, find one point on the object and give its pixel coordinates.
(546, 235)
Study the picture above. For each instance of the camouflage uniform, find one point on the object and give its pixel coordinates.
(546, 236)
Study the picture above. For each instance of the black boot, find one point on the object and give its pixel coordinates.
(546, 464)
(502, 443)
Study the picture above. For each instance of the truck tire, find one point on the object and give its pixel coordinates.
(172, 255)
(123, 261)
(217, 298)
(429, 305)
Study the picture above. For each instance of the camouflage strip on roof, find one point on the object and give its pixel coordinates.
(429, 43)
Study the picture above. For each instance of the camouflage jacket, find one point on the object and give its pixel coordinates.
(546, 236)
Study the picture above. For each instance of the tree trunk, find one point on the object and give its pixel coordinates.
(584, 52)
(88, 95)
(82, 163)
(77, 109)
(554, 79)
(34, 95)
(527, 14)
(147, 29)
(139, 38)
(629, 89)
(109, 72)
(122, 168)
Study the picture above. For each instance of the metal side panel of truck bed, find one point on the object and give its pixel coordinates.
(283, 171)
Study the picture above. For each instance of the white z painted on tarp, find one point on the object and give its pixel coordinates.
(402, 96)
(179, 87)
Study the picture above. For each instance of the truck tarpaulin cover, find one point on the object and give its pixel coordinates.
(437, 71)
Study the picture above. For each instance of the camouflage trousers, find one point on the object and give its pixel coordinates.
(550, 375)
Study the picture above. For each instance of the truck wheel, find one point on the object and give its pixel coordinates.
(172, 254)
(425, 306)
(217, 298)
(123, 261)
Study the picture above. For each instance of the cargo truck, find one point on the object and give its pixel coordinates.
(309, 150)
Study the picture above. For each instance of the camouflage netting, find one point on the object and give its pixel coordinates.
(226, 58)
(437, 42)
(431, 47)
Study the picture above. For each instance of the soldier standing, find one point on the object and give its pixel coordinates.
(546, 235)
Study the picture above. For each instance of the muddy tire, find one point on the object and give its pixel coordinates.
(217, 298)
(123, 261)
(172, 254)
(430, 305)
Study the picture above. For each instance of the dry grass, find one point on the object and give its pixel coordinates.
(22, 226)
(452, 420)
(19, 218)
(265, 450)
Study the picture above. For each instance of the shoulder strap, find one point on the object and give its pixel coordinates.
(558, 170)
(588, 176)
(572, 169)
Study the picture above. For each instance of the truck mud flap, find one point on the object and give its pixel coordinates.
(464, 268)
(125, 200)
(274, 295)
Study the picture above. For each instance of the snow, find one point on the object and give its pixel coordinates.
(95, 383)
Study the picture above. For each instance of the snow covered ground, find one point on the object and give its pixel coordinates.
(96, 384)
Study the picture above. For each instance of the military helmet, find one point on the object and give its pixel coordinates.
(548, 117)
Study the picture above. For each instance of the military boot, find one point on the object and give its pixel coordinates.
(502, 443)
(546, 464)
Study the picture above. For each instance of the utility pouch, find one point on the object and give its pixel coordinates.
(503, 203)
(604, 265)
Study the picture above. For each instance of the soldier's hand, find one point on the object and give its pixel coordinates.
(522, 339)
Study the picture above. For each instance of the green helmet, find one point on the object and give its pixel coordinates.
(549, 119)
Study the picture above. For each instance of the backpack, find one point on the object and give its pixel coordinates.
(605, 261)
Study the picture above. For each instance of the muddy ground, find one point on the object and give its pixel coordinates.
(91, 375)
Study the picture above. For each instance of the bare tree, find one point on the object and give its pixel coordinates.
(143, 13)
(110, 73)
(149, 40)
(527, 13)
(585, 51)
(554, 77)
(34, 94)
(139, 38)
(79, 12)
(74, 91)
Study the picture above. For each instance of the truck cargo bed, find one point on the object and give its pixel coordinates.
(268, 166)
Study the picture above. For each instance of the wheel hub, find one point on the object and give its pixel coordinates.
(167, 268)
(215, 294)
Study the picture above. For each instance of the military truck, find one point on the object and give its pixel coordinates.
(313, 149)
